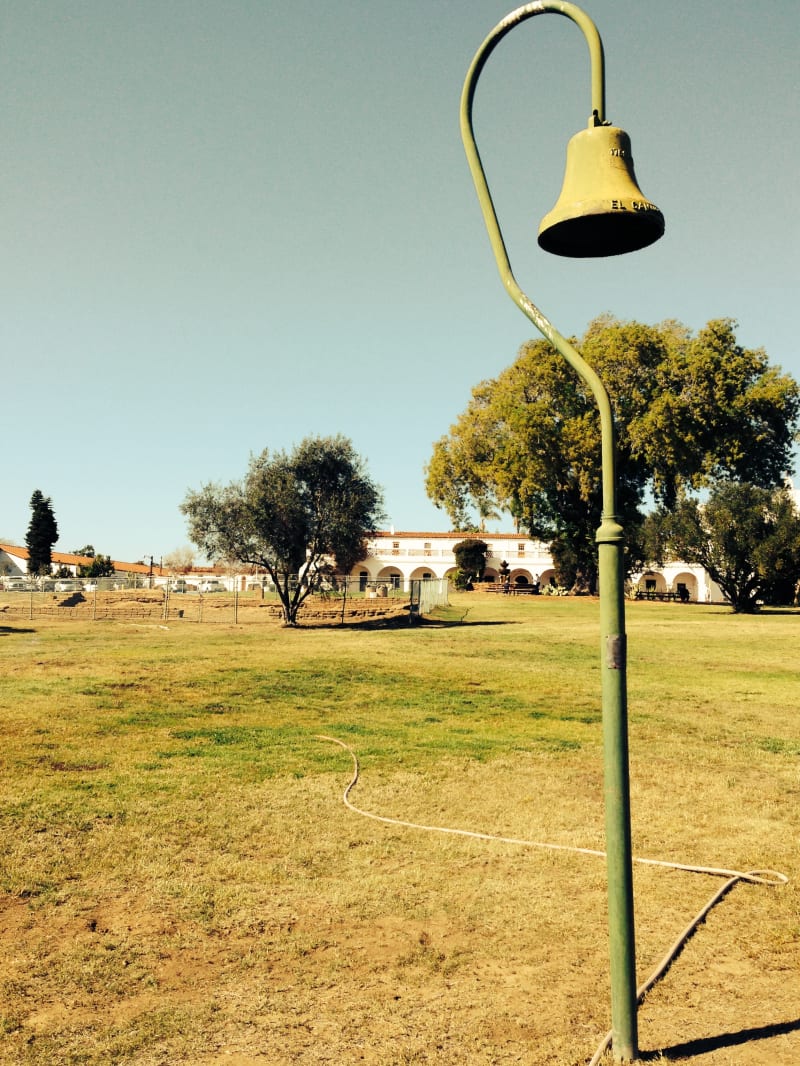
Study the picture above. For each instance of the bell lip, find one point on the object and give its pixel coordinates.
(602, 232)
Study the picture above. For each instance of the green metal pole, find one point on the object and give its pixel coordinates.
(617, 790)
(610, 551)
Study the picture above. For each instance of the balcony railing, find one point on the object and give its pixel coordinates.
(533, 555)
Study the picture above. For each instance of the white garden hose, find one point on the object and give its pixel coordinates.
(753, 877)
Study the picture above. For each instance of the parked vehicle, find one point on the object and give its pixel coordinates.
(212, 586)
(179, 585)
(17, 584)
(71, 584)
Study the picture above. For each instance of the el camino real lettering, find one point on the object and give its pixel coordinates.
(636, 205)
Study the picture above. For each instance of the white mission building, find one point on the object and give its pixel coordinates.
(398, 558)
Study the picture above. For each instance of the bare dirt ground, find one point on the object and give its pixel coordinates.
(214, 608)
(415, 950)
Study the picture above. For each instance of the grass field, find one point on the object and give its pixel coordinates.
(181, 882)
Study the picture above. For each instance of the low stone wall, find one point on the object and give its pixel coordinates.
(217, 608)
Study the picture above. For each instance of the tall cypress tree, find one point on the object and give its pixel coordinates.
(42, 534)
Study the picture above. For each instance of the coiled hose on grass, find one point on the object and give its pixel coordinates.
(733, 877)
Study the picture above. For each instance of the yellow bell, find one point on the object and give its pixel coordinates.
(601, 210)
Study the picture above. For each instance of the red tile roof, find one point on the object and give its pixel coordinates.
(68, 559)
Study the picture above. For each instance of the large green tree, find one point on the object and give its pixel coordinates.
(746, 537)
(689, 409)
(297, 515)
(42, 534)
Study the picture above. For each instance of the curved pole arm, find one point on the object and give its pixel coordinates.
(559, 342)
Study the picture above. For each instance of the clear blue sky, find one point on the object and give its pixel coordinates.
(228, 225)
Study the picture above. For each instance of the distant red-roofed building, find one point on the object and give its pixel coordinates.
(14, 563)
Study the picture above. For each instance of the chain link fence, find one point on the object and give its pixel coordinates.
(210, 600)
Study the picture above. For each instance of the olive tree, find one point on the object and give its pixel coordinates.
(298, 515)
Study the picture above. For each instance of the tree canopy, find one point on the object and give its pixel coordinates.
(297, 515)
(746, 537)
(42, 534)
(689, 410)
(100, 565)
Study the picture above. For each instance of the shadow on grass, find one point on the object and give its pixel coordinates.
(448, 623)
(402, 621)
(705, 1045)
(13, 631)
